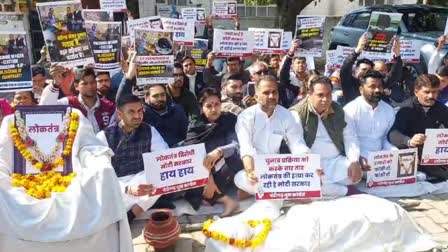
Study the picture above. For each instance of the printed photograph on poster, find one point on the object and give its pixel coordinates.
(105, 39)
(64, 34)
(230, 43)
(392, 167)
(283, 176)
(15, 67)
(126, 43)
(176, 169)
(382, 29)
(199, 53)
(435, 149)
(224, 9)
(310, 32)
(154, 55)
(274, 40)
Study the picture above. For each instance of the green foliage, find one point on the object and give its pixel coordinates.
(258, 2)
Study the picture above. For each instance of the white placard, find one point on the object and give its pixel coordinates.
(196, 14)
(116, 5)
(287, 40)
(267, 41)
(435, 149)
(286, 176)
(409, 51)
(154, 22)
(224, 9)
(227, 43)
(176, 169)
(183, 30)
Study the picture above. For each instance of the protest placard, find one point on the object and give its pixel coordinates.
(154, 22)
(183, 30)
(435, 149)
(392, 167)
(98, 15)
(230, 43)
(382, 29)
(177, 169)
(310, 31)
(199, 53)
(224, 9)
(283, 176)
(64, 34)
(43, 124)
(287, 40)
(409, 51)
(105, 39)
(268, 41)
(331, 63)
(154, 55)
(196, 14)
(116, 5)
(165, 10)
(15, 68)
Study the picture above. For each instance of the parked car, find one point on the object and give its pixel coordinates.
(422, 23)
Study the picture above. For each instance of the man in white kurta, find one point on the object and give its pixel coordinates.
(87, 217)
(316, 115)
(261, 129)
(129, 139)
(370, 117)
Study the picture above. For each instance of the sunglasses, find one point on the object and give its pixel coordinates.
(261, 72)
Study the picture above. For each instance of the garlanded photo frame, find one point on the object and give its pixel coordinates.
(44, 122)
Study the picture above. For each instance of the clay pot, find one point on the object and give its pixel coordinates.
(162, 229)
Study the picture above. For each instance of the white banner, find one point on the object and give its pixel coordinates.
(227, 43)
(283, 176)
(392, 167)
(435, 150)
(183, 30)
(267, 41)
(177, 169)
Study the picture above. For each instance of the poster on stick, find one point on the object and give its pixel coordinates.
(435, 149)
(15, 68)
(183, 30)
(64, 33)
(224, 9)
(105, 39)
(282, 176)
(382, 29)
(310, 32)
(230, 43)
(177, 169)
(268, 41)
(154, 56)
(196, 14)
(199, 53)
(392, 167)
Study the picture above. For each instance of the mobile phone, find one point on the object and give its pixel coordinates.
(251, 88)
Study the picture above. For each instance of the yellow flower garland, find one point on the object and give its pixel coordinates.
(41, 185)
(26, 153)
(240, 243)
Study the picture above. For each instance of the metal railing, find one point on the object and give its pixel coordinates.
(257, 11)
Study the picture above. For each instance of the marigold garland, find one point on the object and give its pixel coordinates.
(41, 185)
(23, 145)
(240, 243)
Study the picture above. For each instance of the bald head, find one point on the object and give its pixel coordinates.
(381, 67)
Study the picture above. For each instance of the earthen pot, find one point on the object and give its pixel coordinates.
(162, 229)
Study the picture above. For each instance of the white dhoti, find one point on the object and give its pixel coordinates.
(145, 202)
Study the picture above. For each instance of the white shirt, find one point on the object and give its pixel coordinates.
(371, 124)
(192, 82)
(50, 97)
(324, 146)
(259, 134)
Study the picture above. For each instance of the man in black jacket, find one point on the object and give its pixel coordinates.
(420, 113)
(350, 83)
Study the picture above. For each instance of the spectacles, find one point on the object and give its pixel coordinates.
(261, 72)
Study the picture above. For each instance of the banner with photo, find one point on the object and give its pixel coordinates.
(383, 27)
(183, 30)
(105, 39)
(267, 41)
(196, 14)
(230, 43)
(392, 167)
(224, 9)
(286, 176)
(117, 5)
(64, 34)
(177, 169)
(310, 31)
(15, 68)
(435, 149)
(155, 56)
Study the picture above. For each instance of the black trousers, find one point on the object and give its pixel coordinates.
(437, 173)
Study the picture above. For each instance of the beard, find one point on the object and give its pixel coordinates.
(158, 106)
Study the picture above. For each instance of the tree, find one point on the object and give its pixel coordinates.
(288, 10)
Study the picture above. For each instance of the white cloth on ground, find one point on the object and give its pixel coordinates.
(354, 223)
(370, 124)
(86, 213)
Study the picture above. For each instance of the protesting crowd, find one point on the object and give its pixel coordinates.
(161, 110)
